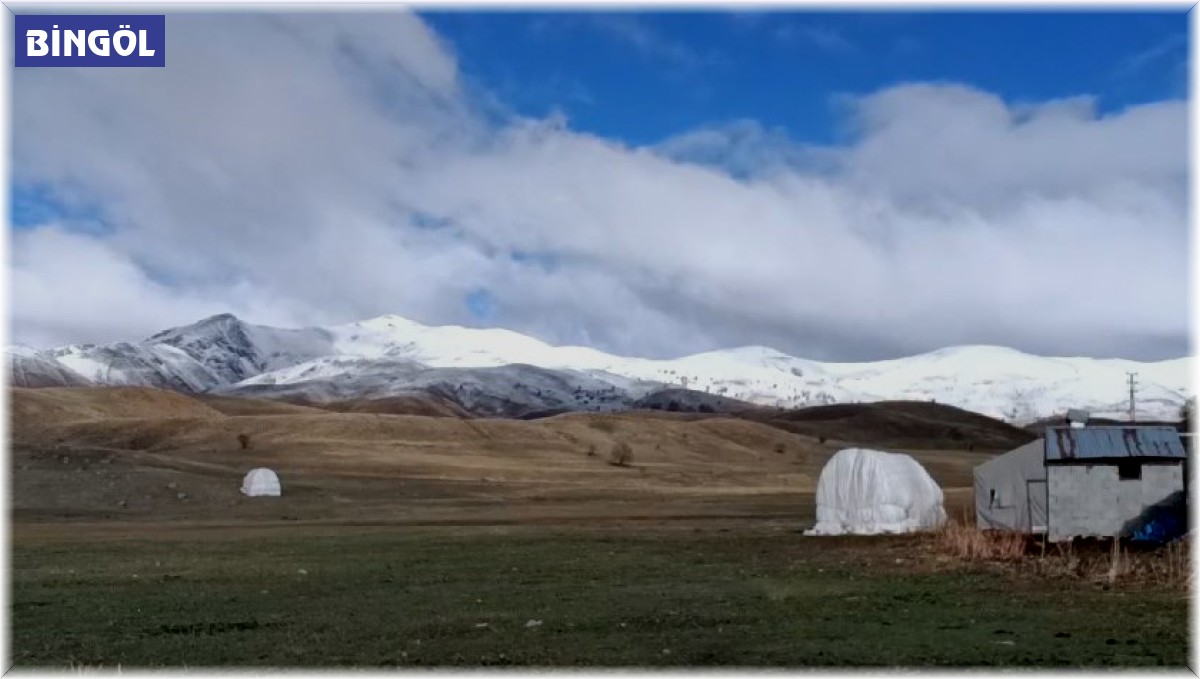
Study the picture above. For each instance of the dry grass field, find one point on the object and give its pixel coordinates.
(119, 453)
(132, 544)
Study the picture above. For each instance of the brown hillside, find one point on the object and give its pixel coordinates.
(237, 405)
(897, 424)
(69, 404)
(416, 404)
(153, 454)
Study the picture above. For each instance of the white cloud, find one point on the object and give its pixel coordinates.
(744, 148)
(289, 171)
(951, 143)
(75, 286)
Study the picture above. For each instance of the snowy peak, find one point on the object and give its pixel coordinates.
(234, 350)
(220, 343)
(217, 320)
(456, 346)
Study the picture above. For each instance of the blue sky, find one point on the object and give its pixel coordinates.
(644, 77)
(650, 184)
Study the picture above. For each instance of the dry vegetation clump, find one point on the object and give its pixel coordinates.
(1175, 565)
(621, 455)
(1118, 563)
(972, 544)
(1108, 562)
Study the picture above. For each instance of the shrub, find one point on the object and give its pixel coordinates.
(244, 441)
(621, 455)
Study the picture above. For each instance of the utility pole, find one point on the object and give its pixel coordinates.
(1132, 396)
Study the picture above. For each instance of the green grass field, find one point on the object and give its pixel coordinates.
(545, 597)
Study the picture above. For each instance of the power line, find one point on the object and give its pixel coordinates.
(1132, 396)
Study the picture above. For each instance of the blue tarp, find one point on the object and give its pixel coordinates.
(1161, 523)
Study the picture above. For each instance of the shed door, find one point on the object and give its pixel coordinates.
(1037, 498)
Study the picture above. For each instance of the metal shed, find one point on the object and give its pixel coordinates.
(1082, 481)
(1101, 479)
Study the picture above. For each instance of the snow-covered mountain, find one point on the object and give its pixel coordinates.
(497, 371)
(512, 389)
(232, 350)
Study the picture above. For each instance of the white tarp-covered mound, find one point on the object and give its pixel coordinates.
(260, 482)
(867, 492)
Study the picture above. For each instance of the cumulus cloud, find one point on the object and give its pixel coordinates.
(325, 168)
(76, 285)
(958, 145)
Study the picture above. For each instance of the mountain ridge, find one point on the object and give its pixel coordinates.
(506, 373)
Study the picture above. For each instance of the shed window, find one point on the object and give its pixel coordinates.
(1130, 470)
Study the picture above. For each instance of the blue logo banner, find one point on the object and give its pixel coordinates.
(91, 40)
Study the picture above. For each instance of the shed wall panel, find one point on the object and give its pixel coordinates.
(1090, 500)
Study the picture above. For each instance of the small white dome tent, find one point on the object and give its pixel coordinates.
(261, 482)
(868, 492)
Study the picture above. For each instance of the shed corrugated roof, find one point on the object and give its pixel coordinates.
(1064, 443)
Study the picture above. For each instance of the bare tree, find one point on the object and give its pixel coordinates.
(621, 455)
